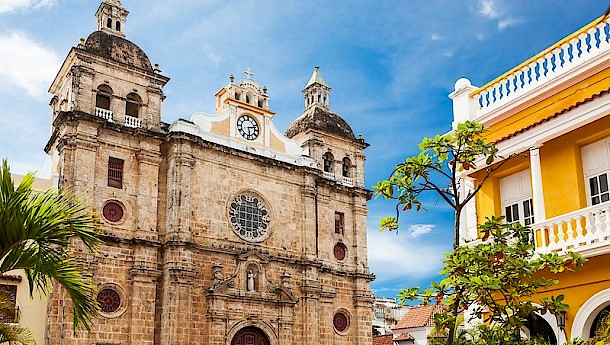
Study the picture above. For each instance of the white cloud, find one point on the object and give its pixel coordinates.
(394, 255)
(488, 8)
(436, 36)
(26, 63)
(15, 5)
(417, 230)
(506, 22)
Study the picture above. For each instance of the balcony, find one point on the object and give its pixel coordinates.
(104, 114)
(132, 122)
(329, 175)
(346, 181)
(586, 231)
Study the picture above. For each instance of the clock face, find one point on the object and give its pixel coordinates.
(247, 127)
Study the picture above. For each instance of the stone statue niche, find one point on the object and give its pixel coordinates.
(252, 278)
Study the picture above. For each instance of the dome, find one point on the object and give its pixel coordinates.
(318, 118)
(118, 49)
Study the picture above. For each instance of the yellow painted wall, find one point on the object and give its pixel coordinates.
(488, 198)
(546, 107)
(579, 286)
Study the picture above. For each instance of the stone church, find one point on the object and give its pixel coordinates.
(219, 229)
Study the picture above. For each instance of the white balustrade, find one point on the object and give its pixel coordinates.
(133, 122)
(554, 62)
(582, 230)
(346, 181)
(104, 114)
(329, 175)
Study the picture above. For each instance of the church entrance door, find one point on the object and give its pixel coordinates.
(250, 336)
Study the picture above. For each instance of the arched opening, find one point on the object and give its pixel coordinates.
(109, 23)
(600, 323)
(118, 26)
(250, 336)
(328, 162)
(132, 105)
(540, 329)
(346, 167)
(102, 98)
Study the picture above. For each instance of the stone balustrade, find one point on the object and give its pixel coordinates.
(586, 231)
(562, 57)
(104, 114)
(346, 181)
(132, 122)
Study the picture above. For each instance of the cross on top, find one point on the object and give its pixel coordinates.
(249, 73)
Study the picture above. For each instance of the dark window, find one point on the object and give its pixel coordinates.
(347, 164)
(339, 223)
(514, 214)
(113, 211)
(118, 26)
(115, 172)
(8, 293)
(132, 105)
(340, 251)
(340, 321)
(109, 23)
(328, 162)
(528, 212)
(599, 189)
(102, 98)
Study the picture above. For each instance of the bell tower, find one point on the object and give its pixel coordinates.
(316, 92)
(111, 17)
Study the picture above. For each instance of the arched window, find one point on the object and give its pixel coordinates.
(328, 162)
(347, 165)
(118, 26)
(102, 98)
(132, 105)
(109, 23)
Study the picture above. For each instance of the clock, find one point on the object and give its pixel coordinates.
(247, 127)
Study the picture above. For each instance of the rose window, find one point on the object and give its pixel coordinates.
(340, 321)
(249, 217)
(340, 251)
(113, 211)
(109, 300)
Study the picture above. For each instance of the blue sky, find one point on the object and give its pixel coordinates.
(391, 65)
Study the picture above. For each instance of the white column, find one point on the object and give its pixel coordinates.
(537, 192)
(468, 218)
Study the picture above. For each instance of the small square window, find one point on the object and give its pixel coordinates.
(339, 223)
(115, 172)
(598, 186)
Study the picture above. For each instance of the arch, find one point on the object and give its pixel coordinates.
(250, 336)
(132, 104)
(346, 167)
(250, 324)
(583, 321)
(109, 23)
(103, 97)
(118, 26)
(539, 326)
(328, 159)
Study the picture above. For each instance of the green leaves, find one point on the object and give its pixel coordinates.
(498, 279)
(35, 233)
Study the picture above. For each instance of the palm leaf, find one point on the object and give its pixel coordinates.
(35, 234)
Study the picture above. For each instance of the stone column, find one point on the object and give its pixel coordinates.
(537, 192)
(311, 313)
(147, 192)
(143, 301)
(363, 304)
(310, 213)
(359, 212)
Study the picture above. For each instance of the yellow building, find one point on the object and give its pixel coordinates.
(29, 312)
(553, 111)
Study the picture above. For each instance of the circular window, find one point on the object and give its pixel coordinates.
(249, 217)
(340, 251)
(109, 300)
(113, 211)
(340, 321)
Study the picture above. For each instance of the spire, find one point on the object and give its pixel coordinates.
(316, 77)
(111, 17)
(316, 92)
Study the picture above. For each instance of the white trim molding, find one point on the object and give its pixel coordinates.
(587, 313)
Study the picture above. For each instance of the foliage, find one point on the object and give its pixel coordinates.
(35, 233)
(602, 333)
(495, 278)
(435, 169)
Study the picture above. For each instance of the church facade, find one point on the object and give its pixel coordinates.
(219, 229)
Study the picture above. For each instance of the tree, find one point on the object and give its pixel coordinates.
(498, 273)
(35, 233)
